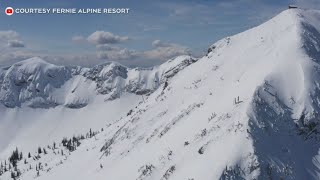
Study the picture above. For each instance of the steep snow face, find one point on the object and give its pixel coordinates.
(285, 110)
(247, 110)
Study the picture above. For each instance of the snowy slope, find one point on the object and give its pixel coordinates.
(41, 102)
(249, 109)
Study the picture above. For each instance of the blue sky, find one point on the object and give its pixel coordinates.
(152, 32)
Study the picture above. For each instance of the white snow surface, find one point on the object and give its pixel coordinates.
(249, 109)
(42, 102)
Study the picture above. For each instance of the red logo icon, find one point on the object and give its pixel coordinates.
(9, 11)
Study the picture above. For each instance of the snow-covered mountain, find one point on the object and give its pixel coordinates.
(41, 102)
(249, 109)
(38, 84)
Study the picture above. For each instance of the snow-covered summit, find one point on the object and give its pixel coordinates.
(31, 80)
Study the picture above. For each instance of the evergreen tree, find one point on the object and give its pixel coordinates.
(5, 166)
(29, 155)
(14, 164)
(14, 156)
(64, 142)
(1, 169)
(21, 156)
(82, 137)
(90, 133)
(39, 150)
(69, 145)
(40, 167)
(18, 173)
(13, 176)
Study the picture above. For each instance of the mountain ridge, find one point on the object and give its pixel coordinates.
(33, 81)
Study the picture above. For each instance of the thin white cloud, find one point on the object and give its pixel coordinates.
(165, 50)
(78, 39)
(10, 39)
(161, 51)
(11, 49)
(159, 43)
(104, 37)
(16, 43)
(106, 50)
(8, 35)
(107, 47)
(116, 55)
